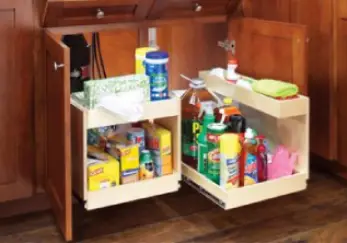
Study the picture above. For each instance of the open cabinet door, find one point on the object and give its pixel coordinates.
(58, 173)
(267, 49)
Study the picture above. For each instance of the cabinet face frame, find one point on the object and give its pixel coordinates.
(58, 53)
(63, 13)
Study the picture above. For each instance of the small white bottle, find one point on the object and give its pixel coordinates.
(231, 71)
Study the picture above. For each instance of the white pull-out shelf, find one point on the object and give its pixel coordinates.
(283, 122)
(237, 197)
(166, 113)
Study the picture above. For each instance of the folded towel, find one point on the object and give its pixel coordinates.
(275, 88)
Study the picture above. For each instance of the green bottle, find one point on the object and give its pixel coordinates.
(206, 107)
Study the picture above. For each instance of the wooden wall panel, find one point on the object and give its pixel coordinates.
(277, 10)
(266, 48)
(320, 76)
(118, 50)
(191, 48)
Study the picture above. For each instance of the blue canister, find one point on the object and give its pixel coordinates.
(156, 68)
(136, 135)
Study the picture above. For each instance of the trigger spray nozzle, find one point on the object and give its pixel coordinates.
(194, 83)
(207, 107)
(198, 83)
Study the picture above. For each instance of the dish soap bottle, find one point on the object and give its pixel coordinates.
(206, 108)
(250, 160)
(191, 122)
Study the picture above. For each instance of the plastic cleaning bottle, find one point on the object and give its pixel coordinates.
(207, 108)
(227, 110)
(250, 160)
(191, 122)
(261, 159)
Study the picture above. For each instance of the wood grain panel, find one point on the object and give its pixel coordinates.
(118, 50)
(277, 10)
(320, 62)
(58, 172)
(268, 49)
(320, 74)
(191, 47)
(39, 97)
(86, 12)
(16, 107)
(316, 215)
(341, 80)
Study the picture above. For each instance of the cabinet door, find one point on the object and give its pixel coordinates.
(172, 9)
(16, 106)
(267, 49)
(58, 173)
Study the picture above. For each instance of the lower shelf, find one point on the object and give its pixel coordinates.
(245, 195)
(132, 192)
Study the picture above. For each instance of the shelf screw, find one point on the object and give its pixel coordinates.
(100, 14)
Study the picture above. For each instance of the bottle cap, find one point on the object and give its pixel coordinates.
(227, 101)
(157, 55)
(249, 133)
(197, 83)
(232, 61)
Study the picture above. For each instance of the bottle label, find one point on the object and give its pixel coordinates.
(214, 162)
(251, 174)
(202, 160)
(190, 132)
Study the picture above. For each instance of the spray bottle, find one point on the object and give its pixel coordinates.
(191, 123)
(261, 159)
(227, 112)
(207, 109)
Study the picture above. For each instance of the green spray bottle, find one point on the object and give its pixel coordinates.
(207, 109)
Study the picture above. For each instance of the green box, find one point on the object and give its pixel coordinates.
(95, 89)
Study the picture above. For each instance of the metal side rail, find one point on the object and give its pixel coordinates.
(203, 192)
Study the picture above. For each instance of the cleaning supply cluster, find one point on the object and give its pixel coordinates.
(219, 144)
(149, 83)
(128, 153)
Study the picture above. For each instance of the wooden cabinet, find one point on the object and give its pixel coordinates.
(16, 107)
(326, 30)
(62, 133)
(88, 12)
(85, 12)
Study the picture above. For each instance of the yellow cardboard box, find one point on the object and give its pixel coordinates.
(103, 170)
(157, 138)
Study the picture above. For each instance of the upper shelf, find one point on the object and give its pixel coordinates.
(100, 117)
(94, 12)
(276, 108)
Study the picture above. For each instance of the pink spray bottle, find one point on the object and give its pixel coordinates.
(261, 159)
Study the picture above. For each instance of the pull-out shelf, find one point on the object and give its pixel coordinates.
(284, 122)
(234, 198)
(165, 113)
